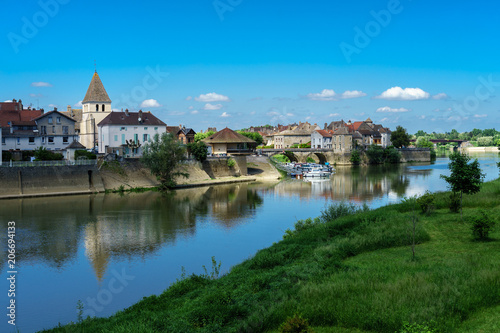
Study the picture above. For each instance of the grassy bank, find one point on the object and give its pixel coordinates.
(349, 270)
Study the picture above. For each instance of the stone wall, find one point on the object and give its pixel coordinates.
(217, 167)
(415, 155)
(32, 181)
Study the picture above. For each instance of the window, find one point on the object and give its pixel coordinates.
(43, 140)
(50, 120)
(116, 138)
(44, 129)
(58, 120)
(18, 141)
(65, 130)
(51, 140)
(136, 138)
(65, 139)
(53, 129)
(3, 140)
(123, 139)
(103, 108)
(135, 128)
(97, 107)
(123, 128)
(144, 138)
(145, 128)
(31, 140)
(156, 128)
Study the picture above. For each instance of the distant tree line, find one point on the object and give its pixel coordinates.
(478, 137)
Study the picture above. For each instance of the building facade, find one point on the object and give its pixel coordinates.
(124, 133)
(321, 139)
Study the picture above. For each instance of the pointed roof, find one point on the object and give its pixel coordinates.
(228, 136)
(96, 91)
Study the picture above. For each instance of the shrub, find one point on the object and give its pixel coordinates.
(426, 203)
(375, 154)
(295, 324)
(481, 225)
(199, 150)
(355, 158)
(392, 155)
(84, 153)
(231, 163)
(310, 160)
(282, 158)
(335, 211)
(42, 154)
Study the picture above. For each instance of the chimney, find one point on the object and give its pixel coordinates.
(180, 126)
(349, 122)
(140, 116)
(68, 108)
(126, 112)
(55, 109)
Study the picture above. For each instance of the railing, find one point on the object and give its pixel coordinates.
(47, 163)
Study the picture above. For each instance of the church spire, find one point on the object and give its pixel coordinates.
(96, 92)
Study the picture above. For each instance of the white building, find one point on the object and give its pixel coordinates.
(119, 131)
(321, 139)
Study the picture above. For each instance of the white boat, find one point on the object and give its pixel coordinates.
(317, 173)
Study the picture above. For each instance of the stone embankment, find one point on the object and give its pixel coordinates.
(23, 182)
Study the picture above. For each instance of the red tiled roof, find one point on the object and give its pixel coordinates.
(228, 136)
(325, 133)
(56, 112)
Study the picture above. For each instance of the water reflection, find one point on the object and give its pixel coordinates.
(109, 225)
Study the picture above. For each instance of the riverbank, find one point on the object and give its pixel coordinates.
(29, 182)
(350, 274)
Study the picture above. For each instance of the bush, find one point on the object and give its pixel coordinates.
(417, 328)
(481, 225)
(231, 163)
(42, 154)
(392, 155)
(375, 154)
(355, 158)
(282, 158)
(335, 211)
(310, 160)
(84, 153)
(426, 203)
(199, 150)
(295, 324)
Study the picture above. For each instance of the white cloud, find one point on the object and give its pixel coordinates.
(191, 107)
(290, 115)
(41, 84)
(440, 96)
(212, 97)
(352, 94)
(78, 105)
(189, 98)
(52, 105)
(388, 109)
(209, 106)
(334, 115)
(195, 112)
(392, 120)
(422, 117)
(407, 94)
(36, 95)
(480, 115)
(325, 95)
(225, 115)
(150, 103)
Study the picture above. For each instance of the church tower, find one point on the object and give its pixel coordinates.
(95, 107)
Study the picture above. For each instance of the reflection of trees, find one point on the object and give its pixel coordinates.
(135, 224)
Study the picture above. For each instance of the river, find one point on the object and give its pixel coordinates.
(110, 250)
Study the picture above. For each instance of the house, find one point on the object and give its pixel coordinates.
(321, 139)
(295, 136)
(52, 130)
(230, 142)
(124, 133)
(342, 140)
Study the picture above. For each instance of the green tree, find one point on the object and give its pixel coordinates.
(465, 177)
(163, 156)
(42, 154)
(199, 150)
(423, 142)
(201, 136)
(420, 133)
(375, 154)
(400, 137)
(254, 136)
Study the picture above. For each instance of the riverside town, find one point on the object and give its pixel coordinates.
(246, 166)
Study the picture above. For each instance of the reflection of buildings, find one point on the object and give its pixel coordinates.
(50, 230)
(358, 184)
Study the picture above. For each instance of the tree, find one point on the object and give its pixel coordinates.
(163, 156)
(199, 150)
(201, 136)
(420, 133)
(424, 143)
(465, 177)
(355, 158)
(400, 138)
(254, 136)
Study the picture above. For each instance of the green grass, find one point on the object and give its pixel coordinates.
(349, 270)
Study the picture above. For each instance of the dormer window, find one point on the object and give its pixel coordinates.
(97, 108)
(103, 108)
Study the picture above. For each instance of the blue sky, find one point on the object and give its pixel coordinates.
(236, 63)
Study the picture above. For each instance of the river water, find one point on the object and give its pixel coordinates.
(110, 250)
